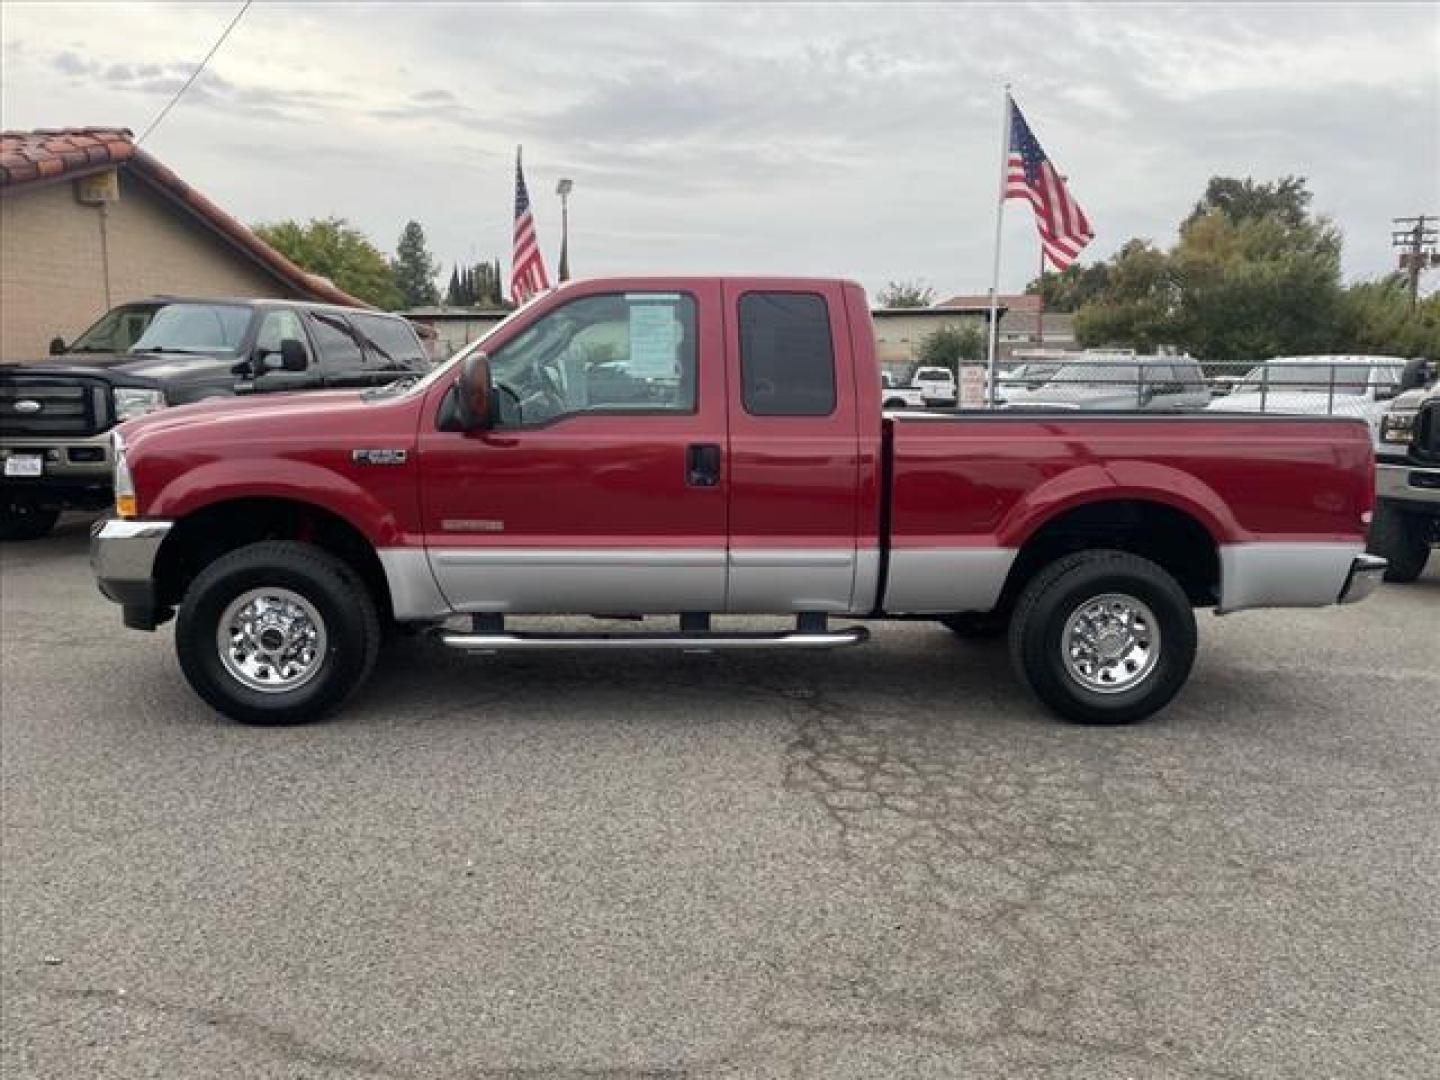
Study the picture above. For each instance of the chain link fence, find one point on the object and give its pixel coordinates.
(1335, 386)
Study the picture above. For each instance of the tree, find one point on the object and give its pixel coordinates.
(332, 248)
(1070, 288)
(414, 268)
(1253, 275)
(1241, 200)
(452, 291)
(906, 294)
(1136, 307)
(1376, 318)
(949, 345)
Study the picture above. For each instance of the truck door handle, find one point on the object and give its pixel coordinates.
(702, 465)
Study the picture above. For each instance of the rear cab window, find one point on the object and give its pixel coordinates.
(787, 356)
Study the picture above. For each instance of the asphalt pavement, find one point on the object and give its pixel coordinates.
(887, 862)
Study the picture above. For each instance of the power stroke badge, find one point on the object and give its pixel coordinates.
(379, 456)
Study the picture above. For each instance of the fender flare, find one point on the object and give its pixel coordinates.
(1119, 481)
(301, 482)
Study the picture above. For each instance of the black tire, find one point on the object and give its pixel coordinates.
(975, 625)
(21, 519)
(1057, 592)
(333, 589)
(1402, 539)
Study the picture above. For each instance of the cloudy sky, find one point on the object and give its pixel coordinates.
(843, 140)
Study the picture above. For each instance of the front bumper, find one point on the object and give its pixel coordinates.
(67, 458)
(1364, 578)
(1418, 487)
(77, 471)
(122, 555)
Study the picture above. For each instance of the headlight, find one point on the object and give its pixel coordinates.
(126, 505)
(1398, 426)
(130, 402)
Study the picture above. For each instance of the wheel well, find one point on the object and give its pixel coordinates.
(202, 537)
(1164, 535)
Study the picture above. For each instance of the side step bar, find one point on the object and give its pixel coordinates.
(537, 642)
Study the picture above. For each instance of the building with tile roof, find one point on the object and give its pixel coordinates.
(89, 220)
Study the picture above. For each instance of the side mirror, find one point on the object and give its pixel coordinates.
(293, 355)
(57, 346)
(474, 393)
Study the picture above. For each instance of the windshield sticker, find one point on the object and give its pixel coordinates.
(654, 341)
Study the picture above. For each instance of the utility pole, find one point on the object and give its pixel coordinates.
(1415, 238)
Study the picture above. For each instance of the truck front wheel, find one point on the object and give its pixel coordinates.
(1103, 637)
(277, 633)
(1402, 539)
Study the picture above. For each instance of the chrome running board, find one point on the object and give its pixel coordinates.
(708, 642)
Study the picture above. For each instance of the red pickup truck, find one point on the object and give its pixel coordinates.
(695, 447)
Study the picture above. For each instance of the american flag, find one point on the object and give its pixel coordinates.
(527, 267)
(1029, 174)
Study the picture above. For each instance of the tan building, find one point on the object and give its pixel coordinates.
(88, 221)
(1024, 326)
(899, 331)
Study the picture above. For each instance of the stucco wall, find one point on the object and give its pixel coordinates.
(54, 252)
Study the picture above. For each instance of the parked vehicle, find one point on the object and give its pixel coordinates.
(55, 417)
(733, 459)
(936, 385)
(894, 396)
(1407, 509)
(1358, 386)
(1026, 377)
(1152, 384)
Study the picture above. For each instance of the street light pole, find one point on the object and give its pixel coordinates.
(563, 189)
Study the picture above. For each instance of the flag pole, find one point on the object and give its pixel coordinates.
(992, 359)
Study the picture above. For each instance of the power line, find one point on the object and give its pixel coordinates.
(195, 74)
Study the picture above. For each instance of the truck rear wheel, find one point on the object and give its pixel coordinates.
(277, 633)
(21, 519)
(1402, 539)
(1103, 637)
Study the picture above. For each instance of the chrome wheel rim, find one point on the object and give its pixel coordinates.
(1111, 643)
(272, 640)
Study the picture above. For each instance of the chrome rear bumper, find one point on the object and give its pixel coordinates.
(1364, 578)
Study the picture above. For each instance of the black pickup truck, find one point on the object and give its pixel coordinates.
(55, 417)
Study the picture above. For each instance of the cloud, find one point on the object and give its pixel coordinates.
(852, 139)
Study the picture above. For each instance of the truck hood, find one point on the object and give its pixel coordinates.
(121, 368)
(230, 418)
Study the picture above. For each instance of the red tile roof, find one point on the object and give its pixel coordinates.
(29, 158)
(26, 156)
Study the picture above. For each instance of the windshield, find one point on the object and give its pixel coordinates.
(1350, 379)
(198, 328)
(116, 331)
(935, 374)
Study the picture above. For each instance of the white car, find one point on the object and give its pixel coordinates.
(895, 396)
(1360, 386)
(937, 384)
